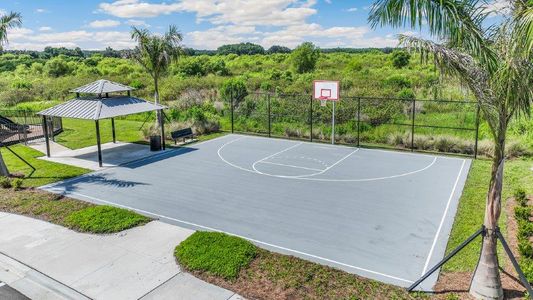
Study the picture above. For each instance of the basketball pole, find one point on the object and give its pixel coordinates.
(333, 124)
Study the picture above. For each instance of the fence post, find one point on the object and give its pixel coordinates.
(269, 116)
(231, 97)
(24, 128)
(413, 126)
(311, 118)
(358, 120)
(477, 131)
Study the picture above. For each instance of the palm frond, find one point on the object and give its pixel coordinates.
(461, 65)
(8, 21)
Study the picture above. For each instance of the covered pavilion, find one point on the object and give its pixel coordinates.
(102, 99)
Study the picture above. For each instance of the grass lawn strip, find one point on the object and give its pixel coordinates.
(46, 171)
(240, 266)
(74, 214)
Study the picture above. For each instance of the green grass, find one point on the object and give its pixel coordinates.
(104, 219)
(74, 214)
(471, 208)
(46, 172)
(81, 133)
(216, 253)
(257, 273)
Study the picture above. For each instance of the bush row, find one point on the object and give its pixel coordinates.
(523, 215)
(7, 183)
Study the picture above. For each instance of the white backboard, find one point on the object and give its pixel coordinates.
(326, 90)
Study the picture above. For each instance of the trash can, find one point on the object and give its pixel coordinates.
(155, 143)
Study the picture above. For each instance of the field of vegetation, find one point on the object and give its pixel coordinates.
(198, 89)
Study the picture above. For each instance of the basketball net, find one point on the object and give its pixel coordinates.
(323, 101)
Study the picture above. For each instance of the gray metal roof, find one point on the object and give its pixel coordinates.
(102, 86)
(92, 108)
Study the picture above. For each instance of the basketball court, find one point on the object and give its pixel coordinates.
(380, 214)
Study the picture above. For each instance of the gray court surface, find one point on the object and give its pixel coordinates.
(379, 214)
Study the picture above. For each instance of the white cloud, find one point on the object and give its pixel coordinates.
(104, 23)
(45, 28)
(137, 9)
(2, 12)
(327, 1)
(498, 7)
(134, 22)
(41, 10)
(24, 38)
(352, 9)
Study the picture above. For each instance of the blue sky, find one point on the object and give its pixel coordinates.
(205, 24)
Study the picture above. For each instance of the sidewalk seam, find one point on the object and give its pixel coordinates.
(47, 276)
(155, 288)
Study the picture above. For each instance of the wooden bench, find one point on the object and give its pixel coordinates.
(182, 133)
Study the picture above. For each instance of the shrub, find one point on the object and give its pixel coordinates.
(215, 253)
(104, 219)
(406, 93)
(305, 57)
(527, 268)
(234, 87)
(522, 213)
(5, 182)
(445, 143)
(400, 58)
(398, 82)
(520, 196)
(397, 139)
(485, 148)
(423, 142)
(17, 183)
(525, 248)
(516, 149)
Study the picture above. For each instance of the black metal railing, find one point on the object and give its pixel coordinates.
(412, 124)
(23, 126)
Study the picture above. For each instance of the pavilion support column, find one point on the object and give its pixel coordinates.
(46, 139)
(97, 123)
(162, 122)
(113, 130)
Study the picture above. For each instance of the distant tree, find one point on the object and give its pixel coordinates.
(305, 57)
(57, 66)
(241, 49)
(8, 21)
(109, 52)
(53, 52)
(234, 88)
(278, 49)
(400, 58)
(155, 53)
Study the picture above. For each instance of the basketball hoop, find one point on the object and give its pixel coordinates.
(323, 101)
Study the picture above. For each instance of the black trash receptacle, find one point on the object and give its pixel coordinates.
(155, 143)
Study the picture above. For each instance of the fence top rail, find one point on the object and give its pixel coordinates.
(275, 94)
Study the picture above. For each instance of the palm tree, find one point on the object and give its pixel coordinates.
(8, 21)
(155, 53)
(495, 63)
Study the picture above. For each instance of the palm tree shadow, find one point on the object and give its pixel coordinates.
(99, 180)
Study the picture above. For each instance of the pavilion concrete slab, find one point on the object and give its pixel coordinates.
(114, 154)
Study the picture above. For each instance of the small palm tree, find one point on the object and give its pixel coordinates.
(155, 53)
(8, 21)
(495, 63)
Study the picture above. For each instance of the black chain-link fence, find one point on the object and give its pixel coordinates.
(421, 125)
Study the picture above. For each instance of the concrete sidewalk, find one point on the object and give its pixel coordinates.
(47, 261)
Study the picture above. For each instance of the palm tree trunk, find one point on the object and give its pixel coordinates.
(3, 167)
(156, 101)
(486, 282)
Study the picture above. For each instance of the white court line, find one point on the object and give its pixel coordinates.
(443, 218)
(277, 153)
(233, 234)
(290, 166)
(320, 179)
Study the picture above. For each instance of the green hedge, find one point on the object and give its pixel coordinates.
(215, 253)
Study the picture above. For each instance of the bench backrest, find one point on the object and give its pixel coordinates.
(181, 133)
